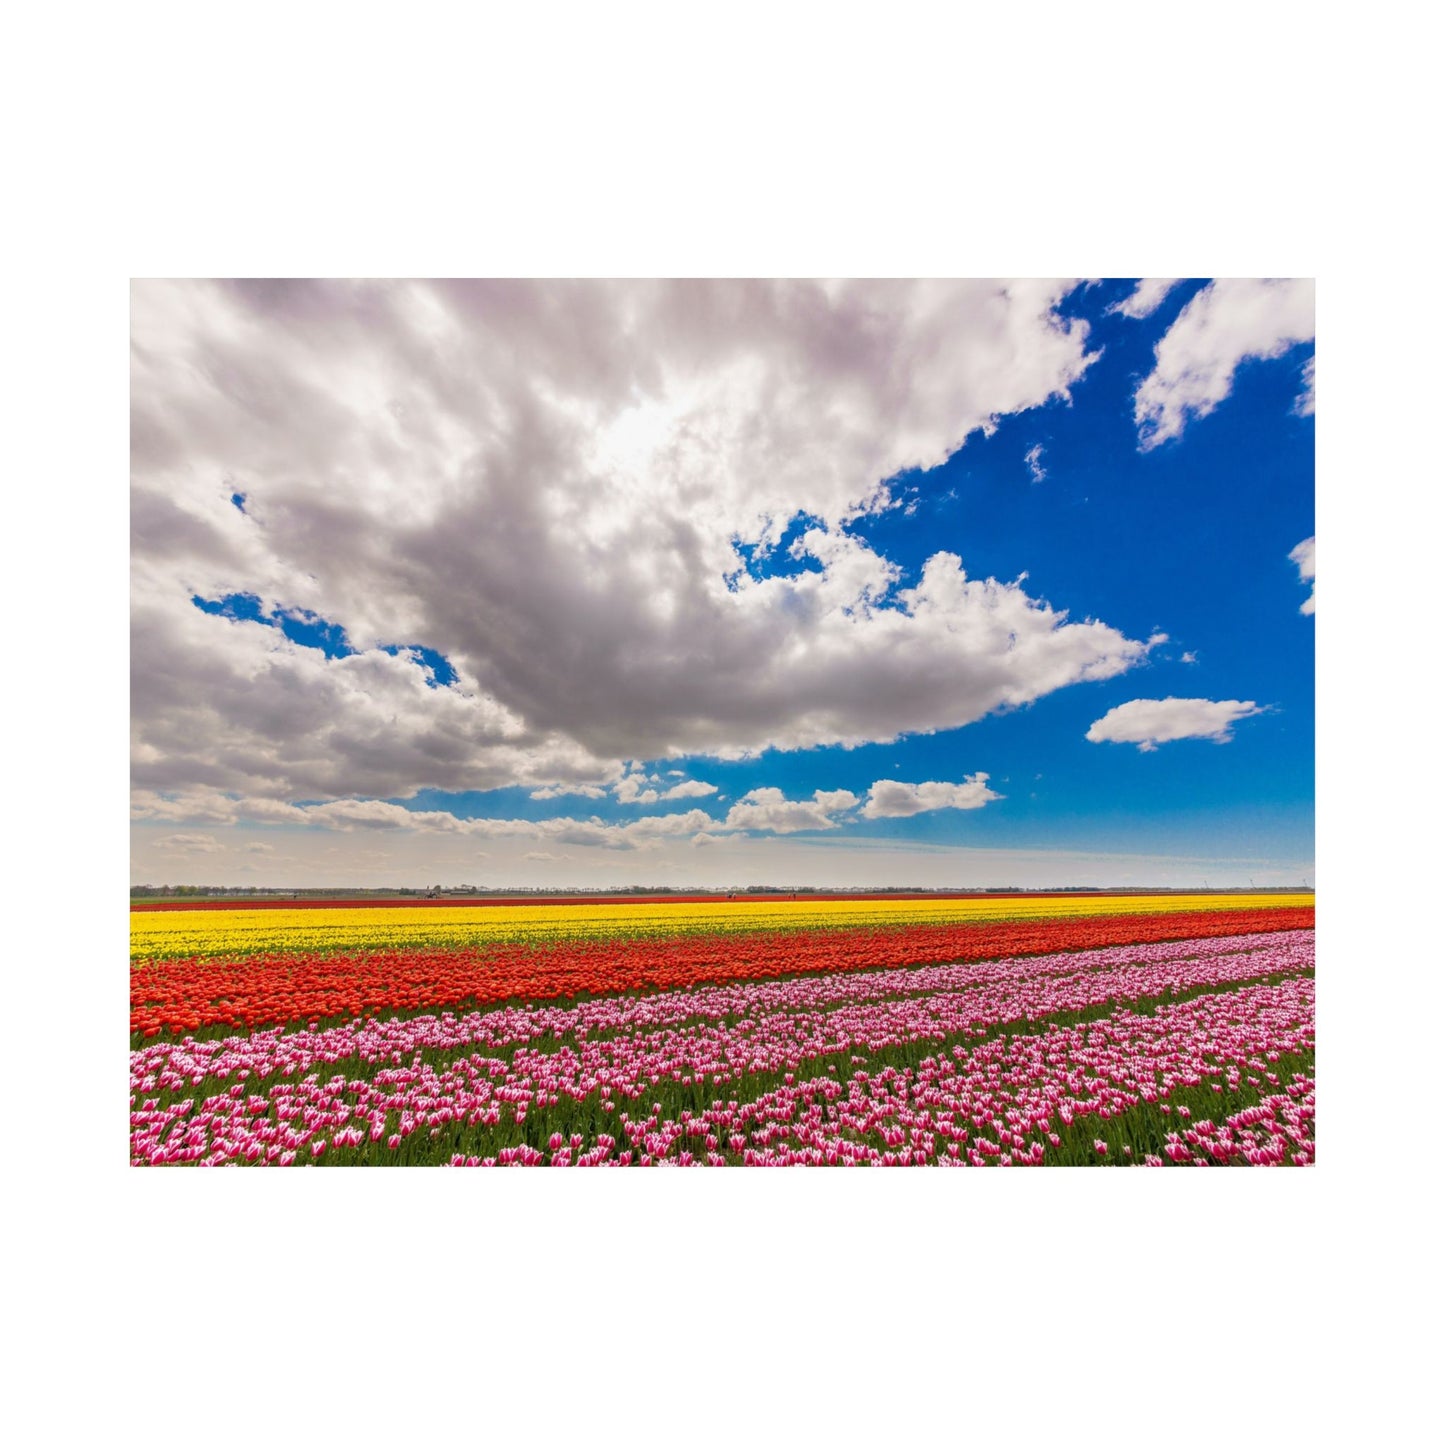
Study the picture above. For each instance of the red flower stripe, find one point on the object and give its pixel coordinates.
(264, 989)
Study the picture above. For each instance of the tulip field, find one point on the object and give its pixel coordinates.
(1146, 1030)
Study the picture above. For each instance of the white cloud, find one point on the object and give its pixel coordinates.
(1151, 721)
(1146, 297)
(1228, 322)
(1303, 556)
(1036, 468)
(1188, 657)
(565, 790)
(538, 857)
(545, 482)
(661, 825)
(1304, 403)
(633, 789)
(888, 798)
(764, 810)
(352, 815)
(767, 810)
(693, 788)
(188, 843)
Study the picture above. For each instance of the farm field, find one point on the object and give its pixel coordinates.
(1010, 1030)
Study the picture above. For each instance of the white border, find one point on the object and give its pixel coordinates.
(781, 140)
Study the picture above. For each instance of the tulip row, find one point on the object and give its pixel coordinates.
(205, 933)
(187, 995)
(982, 1063)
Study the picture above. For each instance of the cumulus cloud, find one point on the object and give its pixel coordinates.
(1036, 466)
(1146, 297)
(1303, 556)
(693, 788)
(1227, 323)
(352, 815)
(547, 483)
(636, 787)
(888, 798)
(1151, 721)
(767, 810)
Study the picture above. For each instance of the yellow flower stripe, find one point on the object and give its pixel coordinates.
(203, 933)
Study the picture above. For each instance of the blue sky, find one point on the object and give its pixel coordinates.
(579, 597)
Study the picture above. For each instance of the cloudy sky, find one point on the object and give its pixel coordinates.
(555, 583)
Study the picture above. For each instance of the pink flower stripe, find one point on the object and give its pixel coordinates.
(1004, 1101)
(619, 1049)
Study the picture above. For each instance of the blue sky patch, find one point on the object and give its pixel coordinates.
(309, 629)
(440, 672)
(761, 562)
(303, 627)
